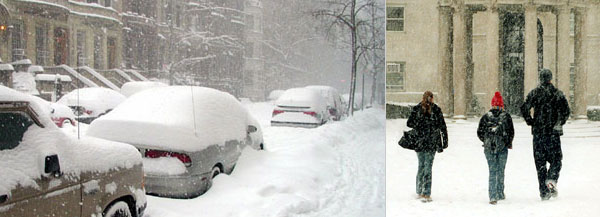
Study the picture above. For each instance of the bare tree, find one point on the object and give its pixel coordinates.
(353, 15)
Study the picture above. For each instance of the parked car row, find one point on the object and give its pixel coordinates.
(168, 141)
(46, 173)
(309, 106)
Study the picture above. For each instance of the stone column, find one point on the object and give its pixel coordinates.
(460, 63)
(580, 110)
(445, 58)
(563, 63)
(531, 57)
(493, 52)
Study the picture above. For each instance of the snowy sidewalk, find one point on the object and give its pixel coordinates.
(334, 170)
(460, 175)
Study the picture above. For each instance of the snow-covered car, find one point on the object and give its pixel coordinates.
(275, 94)
(44, 172)
(334, 101)
(90, 103)
(187, 135)
(300, 107)
(133, 87)
(62, 115)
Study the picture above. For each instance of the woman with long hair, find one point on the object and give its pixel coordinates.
(428, 120)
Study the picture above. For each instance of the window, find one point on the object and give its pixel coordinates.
(249, 50)
(98, 52)
(18, 44)
(394, 76)
(107, 3)
(572, 23)
(81, 52)
(395, 19)
(41, 45)
(250, 22)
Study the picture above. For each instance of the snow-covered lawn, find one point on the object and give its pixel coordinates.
(334, 170)
(460, 175)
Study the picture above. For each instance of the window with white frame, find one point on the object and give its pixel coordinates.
(41, 45)
(395, 18)
(395, 76)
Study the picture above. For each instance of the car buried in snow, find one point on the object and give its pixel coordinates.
(334, 101)
(300, 107)
(186, 135)
(44, 172)
(92, 102)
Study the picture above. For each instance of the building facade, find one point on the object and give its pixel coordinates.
(254, 63)
(55, 32)
(465, 50)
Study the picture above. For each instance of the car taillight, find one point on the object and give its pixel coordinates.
(184, 158)
(314, 114)
(89, 112)
(276, 112)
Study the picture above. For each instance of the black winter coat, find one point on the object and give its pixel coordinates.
(431, 127)
(550, 109)
(496, 130)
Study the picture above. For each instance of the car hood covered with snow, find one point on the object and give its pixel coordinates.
(96, 99)
(133, 87)
(22, 165)
(302, 97)
(176, 118)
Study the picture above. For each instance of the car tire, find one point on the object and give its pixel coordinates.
(215, 171)
(118, 209)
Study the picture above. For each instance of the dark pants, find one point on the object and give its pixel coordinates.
(424, 172)
(546, 149)
(496, 163)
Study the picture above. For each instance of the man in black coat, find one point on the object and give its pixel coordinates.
(551, 111)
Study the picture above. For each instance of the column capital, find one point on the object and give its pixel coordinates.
(561, 9)
(492, 6)
(530, 6)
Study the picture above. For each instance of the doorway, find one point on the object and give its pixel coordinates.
(61, 46)
(512, 46)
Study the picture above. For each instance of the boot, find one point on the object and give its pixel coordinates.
(426, 199)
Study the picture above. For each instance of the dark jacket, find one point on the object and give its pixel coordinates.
(550, 109)
(496, 130)
(431, 127)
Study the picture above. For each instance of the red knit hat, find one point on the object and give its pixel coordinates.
(497, 100)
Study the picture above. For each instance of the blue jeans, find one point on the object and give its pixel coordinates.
(496, 163)
(424, 172)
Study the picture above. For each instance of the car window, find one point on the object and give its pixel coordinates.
(12, 127)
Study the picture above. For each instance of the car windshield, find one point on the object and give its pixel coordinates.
(12, 127)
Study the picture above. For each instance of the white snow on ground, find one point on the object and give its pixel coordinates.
(460, 175)
(333, 170)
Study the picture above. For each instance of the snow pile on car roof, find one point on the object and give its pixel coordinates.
(24, 164)
(301, 97)
(275, 94)
(133, 87)
(165, 117)
(96, 99)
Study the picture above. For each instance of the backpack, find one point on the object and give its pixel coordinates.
(496, 132)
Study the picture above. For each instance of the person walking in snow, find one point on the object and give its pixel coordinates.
(427, 119)
(550, 113)
(496, 131)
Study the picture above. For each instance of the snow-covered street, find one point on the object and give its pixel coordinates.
(333, 170)
(460, 175)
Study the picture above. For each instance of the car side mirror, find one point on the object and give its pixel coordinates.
(251, 129)
(52, 166)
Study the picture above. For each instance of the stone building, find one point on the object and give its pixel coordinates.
(465, 50)
(55, 32)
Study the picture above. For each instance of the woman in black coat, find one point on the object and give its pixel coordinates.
(496, 131)
(427, 119)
